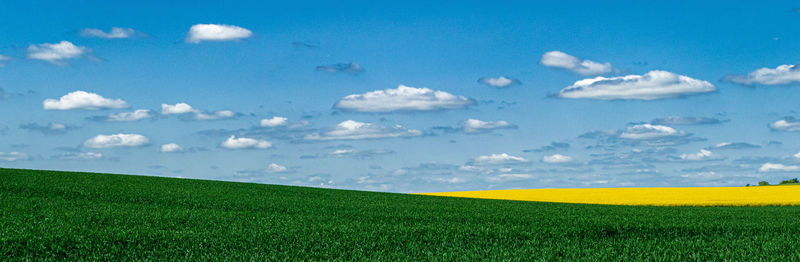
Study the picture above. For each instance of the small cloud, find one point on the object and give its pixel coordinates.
(653, 85)
(83, 100)
(115, 33)
(735, 145)
(497, 159)
(4, 59)
(274, 121)
(116, 140)
(565, 61)
(781, 75)
(218, 115)
(772, 167)
(472, 126)
(557, 159)
(350, 68)
(679, 120)
(703, 155)
(404, 98)
(788, 124)
(171, 148)
(135, 115)
(79, 156)
(184, 109)
(216, 32)
(275, 168)
(245, 143)
(13, 156)
(499, 82)
(508, 177)
(648, 131)
(56, 53)
(49, 129)
(354, 130)
(176, 109)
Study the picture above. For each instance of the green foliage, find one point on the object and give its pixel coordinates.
(47, 215)
(790, 181)
(763, 183)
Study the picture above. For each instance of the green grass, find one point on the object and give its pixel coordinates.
(82, 216)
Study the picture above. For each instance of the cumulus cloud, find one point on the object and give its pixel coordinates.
(350, 68)
(497, 159)
(403, 98)
(648, 131)
(781, 75)
(735, 145)
(13, 156)
(49, 129)
(171, 148)
(245, 143)
(216, 32)
(196, 114)
(56, 53)
(789, 124)
(83, 100)
(477, 126)
(115, 33)
(772, 167)
(176, 109)
(650, 86)
(222, 114)
(685, 121)
(557, 159)
(135, 115)
(116, 140)
(274, 121)
(563, 60)
(275, 168)
(499, 82)
(353, 130)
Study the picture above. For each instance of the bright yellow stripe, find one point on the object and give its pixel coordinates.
(653, 196)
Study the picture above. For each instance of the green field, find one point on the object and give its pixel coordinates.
(79, 216)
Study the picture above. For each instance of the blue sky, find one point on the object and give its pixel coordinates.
(407, 96)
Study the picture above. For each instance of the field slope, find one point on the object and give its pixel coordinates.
(80, 216)
(654, 196)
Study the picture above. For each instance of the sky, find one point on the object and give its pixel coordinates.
(405, 96)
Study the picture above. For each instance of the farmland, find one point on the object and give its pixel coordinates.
(48, 215)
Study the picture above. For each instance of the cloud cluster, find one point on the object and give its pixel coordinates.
(83, 100)
(788, 124)
(354, 130)
(781, 75)
(115, 33)
(650, 86)
(187, 112)
(116, 140)
(216, 32)
(234, 142)
(499, 82)
(563, 60)
(403, 98)
(56, 53)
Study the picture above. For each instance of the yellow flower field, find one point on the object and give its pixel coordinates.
(653, 196)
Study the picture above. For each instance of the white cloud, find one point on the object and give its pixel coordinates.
(797, 155)
(80, 156)
(223, 114)
(703, 155)
(788, 125)
(781, 75)
(83, 100)
(653, 85)
(496, 159)
(275, 168)
(404, 98)
(56, 53)
(136, 115)
(214, 32)
(508, 177)
(4, 58)
(648, 131)
(274, 121)
(176, 109)
(769, 167)
(13, 156)
(477, 126)
(352, 130)
(501, 81)
(563, 60)
(245, 143)
(171, 148)
(116, 140)
(115, 33)
(557, 159)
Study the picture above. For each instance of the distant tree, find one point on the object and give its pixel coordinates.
(790, 181)
(763, 183)
(747, 185)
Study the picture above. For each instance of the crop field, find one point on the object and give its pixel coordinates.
(664, 196)
(48, 215)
